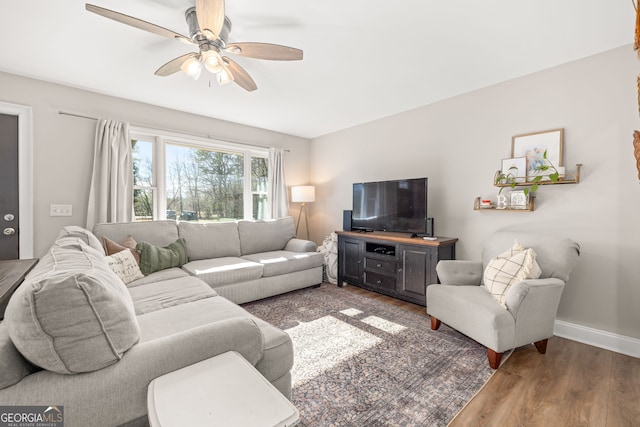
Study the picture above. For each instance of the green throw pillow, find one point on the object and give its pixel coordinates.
(154, 258)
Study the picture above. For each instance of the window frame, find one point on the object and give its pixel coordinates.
(160, 139)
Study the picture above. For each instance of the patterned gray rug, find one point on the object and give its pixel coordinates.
(360, 362)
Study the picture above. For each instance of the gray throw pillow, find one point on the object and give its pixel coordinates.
(75, 317)
(154, 258)
(84, 235)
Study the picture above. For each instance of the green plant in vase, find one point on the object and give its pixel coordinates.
(546, 166)
(511, 178)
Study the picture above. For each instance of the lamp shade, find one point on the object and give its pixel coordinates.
(303, 194)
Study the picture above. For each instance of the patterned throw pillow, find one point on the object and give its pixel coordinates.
(516, 248)
(154, 258)
(509, 268)
(125, 266)
(111, 247)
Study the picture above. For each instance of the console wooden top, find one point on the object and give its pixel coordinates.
(12, 273)
(399, 238)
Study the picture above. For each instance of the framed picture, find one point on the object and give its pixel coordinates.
(516, 168)
(518, 200)
(533, 145)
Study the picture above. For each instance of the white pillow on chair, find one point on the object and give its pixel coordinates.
(508, 268)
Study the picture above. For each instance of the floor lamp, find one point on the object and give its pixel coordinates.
(303, 194)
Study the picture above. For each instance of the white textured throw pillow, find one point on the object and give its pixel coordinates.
(516, 248)
(509, 268)
(125, 266)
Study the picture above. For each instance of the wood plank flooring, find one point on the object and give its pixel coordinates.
(573, 384)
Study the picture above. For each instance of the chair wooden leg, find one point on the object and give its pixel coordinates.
(494, 358)
(435, 323)
(541, 346)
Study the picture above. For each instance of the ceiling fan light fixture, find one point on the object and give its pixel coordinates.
(224, 76)
(192, 68)
(233, 49)
(212, 61)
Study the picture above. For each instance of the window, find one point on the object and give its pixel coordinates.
(144, 189)
(199, 179)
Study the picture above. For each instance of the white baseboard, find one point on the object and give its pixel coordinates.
(595, 337)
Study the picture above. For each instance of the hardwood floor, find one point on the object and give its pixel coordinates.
(573, 384)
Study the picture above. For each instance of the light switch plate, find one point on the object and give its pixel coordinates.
(61, 210)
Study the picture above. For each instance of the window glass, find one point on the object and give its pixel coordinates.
(192, 179)
(143, 180)
(203, 184)
(259, 182)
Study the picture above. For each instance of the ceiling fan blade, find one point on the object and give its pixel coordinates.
(240, 76)
(210, 15)
(138, 23)
(265, 51)
(174, 65)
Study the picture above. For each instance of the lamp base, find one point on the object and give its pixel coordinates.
(306, 219)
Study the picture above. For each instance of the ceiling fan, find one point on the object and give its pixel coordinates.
(209, 29)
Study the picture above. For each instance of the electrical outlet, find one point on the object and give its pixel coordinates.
(60, 210)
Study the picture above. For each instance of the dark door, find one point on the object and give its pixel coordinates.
(9, 194)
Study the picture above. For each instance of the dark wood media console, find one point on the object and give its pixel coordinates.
(393, 264)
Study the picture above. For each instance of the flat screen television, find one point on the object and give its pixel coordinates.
(399, 206)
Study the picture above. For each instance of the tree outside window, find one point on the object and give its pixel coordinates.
(200, 183)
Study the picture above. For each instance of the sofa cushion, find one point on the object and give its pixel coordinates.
(224, 271)
(487, 323)
(265, 236)
(13, 367)
(212, 240)
(277, 358)
(158, 276)
(159, 233)
(167, 293)
(125, 266)
(282, 262)
(76, 317)
(154, 258)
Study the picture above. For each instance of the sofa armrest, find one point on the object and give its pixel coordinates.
(459, 273)
(300, 245)
(534, 304)
(118, 393)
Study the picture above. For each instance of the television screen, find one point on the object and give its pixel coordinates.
(399, 205)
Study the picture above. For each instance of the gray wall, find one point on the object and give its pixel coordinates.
(63, 145)
(459, 143)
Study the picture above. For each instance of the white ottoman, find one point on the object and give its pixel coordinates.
(225, 390)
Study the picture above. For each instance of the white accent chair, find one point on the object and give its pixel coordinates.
(462, 303)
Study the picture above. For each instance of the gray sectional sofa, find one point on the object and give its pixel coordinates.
(242, 261)
(75, 335)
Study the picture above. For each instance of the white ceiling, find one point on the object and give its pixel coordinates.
(363, 59)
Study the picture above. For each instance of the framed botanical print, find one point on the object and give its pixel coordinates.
(516, 169)
(532, 146)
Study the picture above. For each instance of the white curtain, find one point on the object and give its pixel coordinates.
(277, 193)
(111, 192)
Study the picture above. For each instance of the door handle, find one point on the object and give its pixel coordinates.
(9, 231)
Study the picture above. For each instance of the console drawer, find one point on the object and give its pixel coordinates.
(378, 265)
(379, 280)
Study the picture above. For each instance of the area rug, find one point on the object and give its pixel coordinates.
(361, 362)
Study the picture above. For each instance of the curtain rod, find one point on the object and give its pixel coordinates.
(83, 116)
